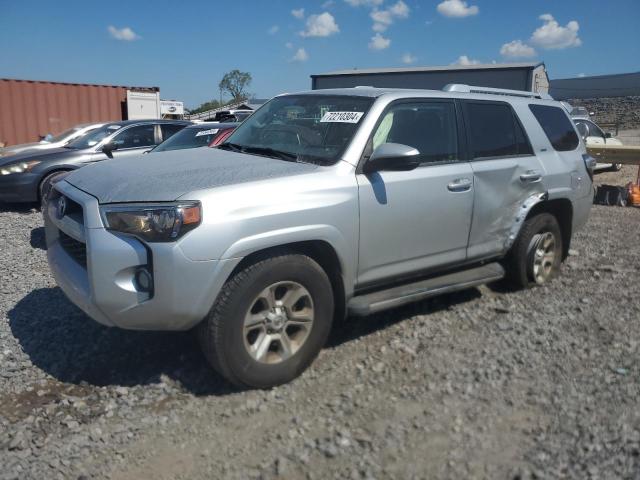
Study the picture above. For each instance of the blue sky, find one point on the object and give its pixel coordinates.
(185, 47)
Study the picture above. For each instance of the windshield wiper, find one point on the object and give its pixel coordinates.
(266, 151)
(270, 152)
(234, 147)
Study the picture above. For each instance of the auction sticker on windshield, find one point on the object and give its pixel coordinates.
(212, 131)
(342, 117)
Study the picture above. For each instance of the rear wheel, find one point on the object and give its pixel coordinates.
(536, 255)
(269, 322)
(616, 167)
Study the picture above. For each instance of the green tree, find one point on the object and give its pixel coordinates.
(235, 83)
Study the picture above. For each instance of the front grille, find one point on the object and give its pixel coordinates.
(76, 250)
(73, 208)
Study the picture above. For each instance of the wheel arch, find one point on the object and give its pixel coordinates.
(562, 209)
(54, 170)
(322, 252)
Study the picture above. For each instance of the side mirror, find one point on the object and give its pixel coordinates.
(607, 135)
(392, 156)
(108, 149)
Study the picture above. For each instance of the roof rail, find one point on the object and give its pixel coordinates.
(462, 88)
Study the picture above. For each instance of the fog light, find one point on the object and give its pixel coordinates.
(144, 280)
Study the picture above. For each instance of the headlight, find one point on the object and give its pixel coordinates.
(153, 223)
(18, 167)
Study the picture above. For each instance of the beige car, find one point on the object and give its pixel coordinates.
(592, 135)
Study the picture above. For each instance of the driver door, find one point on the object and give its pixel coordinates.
(132, 141)
(412, 221)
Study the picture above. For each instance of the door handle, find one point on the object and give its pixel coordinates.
(460, 185)
(530, 176)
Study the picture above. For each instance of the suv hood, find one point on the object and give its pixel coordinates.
(166, 176)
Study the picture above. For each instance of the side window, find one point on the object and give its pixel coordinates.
(583, 130)
(429, 127)
(136, 137)
(524, 147)
(169, 129)
(494, 131)
(594, 130)
(557, 126)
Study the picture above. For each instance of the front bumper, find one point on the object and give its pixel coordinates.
(19, 187)
(103, 285)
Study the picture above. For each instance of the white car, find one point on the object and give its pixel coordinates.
(54, 142)
(592, 134)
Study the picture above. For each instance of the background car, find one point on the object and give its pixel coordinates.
(57, 141)
(232, 115)
(592, 134)
(25, 177)
(207, 134)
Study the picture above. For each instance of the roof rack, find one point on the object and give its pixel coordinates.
(462, 88)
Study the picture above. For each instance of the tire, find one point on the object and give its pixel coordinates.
(236, 350)
(523, 267)
(45, 186)
(616, 167)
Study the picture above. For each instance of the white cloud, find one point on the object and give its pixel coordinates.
(457, 8)
(289, 45)
(300, 56)
(551, 35)
(365, 3)
(124, 33)
(378, 42)
(517, 49)
(580, 75)
(322, 25)
(465, 61)
(382, 19)
(408, 58)
(328, 4)
(273, 30)
(298, 13)
(399, 9)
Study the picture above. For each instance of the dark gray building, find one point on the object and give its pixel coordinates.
(601, 86)
(514, 76)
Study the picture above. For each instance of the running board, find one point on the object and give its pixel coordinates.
(362, 305)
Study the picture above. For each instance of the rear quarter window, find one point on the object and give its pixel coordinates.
(557, 126)
(494, 131)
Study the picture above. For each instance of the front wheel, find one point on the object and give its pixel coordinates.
(536, 255)
(45, 187)
(269, 322)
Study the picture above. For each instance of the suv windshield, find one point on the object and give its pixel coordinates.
(93, 137)
(191, 137)
(308, 128)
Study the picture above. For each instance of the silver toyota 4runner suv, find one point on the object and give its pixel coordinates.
(321, 205)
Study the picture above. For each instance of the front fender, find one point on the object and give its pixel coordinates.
(305, 233)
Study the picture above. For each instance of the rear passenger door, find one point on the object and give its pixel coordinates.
(412, 221)
(506, 172)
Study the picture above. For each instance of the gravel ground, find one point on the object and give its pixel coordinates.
(481, 384)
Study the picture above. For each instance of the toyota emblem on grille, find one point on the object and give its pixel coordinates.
(62, 207)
